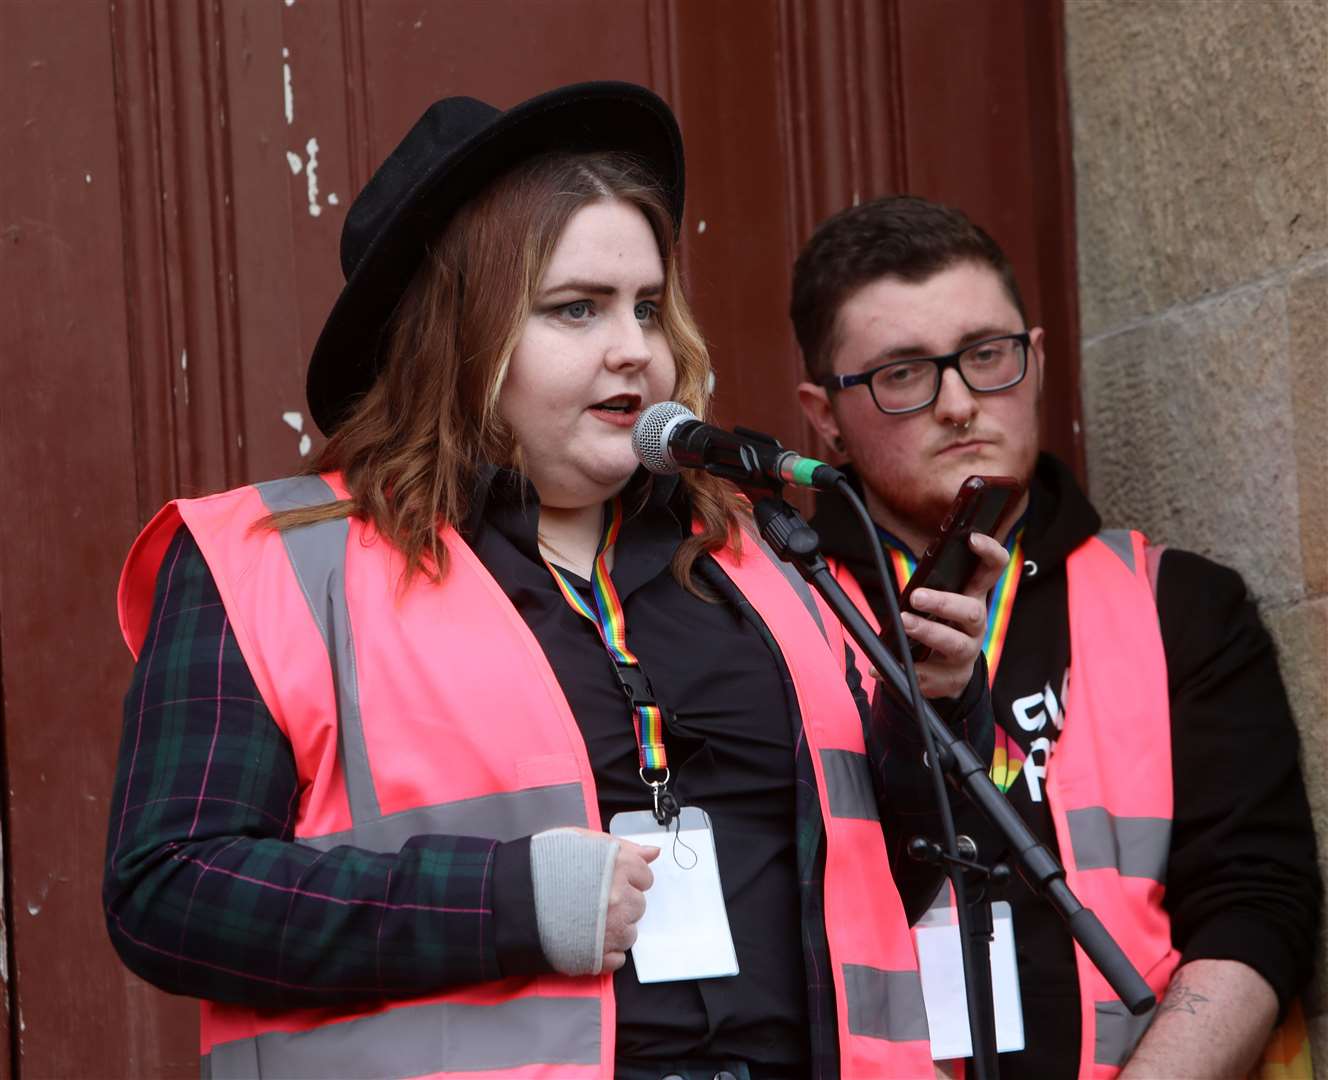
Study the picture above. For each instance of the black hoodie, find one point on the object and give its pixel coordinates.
(1242, 878)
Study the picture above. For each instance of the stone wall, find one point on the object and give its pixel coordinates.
(1201, 171)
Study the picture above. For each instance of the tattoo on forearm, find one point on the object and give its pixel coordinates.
(1180, 998)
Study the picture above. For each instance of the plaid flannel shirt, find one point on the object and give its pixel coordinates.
(205, 894)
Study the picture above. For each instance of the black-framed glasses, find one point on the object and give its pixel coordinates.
(905, 386)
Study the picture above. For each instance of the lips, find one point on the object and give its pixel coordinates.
(620, 409)
(620, 403)
(965, 445)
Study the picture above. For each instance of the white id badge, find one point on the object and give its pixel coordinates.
(942, 966)
(684, 933)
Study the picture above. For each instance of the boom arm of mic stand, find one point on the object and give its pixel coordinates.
(966, 770)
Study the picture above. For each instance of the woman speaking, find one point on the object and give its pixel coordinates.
(395, 723)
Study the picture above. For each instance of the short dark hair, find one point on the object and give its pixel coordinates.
(899, 236)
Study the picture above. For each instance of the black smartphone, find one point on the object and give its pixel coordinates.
(948, 564)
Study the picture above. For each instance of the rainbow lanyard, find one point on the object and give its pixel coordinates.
(611, 622)
(999, 607)
(1007, 759)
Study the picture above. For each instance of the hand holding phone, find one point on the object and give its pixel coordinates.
(949, 563)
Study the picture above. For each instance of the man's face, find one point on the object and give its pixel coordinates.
(912, 465)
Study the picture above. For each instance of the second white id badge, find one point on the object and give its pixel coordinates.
(684, 933)
(940, 961)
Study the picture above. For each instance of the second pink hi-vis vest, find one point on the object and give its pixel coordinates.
(433, 710)
(1109, 781)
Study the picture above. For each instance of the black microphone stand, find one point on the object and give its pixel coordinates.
(794, 541)
(976, 929)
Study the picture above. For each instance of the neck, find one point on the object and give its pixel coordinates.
(917, 537)
(569, 536)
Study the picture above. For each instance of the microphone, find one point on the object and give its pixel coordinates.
(668, 437)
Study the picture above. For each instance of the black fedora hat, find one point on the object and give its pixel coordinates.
(456, 148)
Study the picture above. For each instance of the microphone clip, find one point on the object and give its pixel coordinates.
(749, 472)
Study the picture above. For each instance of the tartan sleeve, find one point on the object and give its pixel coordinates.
(206, 893)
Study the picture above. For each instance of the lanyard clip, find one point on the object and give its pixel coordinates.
(666, 806)
(634, 684)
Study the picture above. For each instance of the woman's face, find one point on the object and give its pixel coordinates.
(591, 356)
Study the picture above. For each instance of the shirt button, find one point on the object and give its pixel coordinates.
(673, 1076)
(725, 1075)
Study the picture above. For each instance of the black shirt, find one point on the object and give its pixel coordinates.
(730, 748)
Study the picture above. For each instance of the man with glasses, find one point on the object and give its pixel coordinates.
(1143, 729)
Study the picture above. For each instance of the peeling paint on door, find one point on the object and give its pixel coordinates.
(311, 176)
(287, 86)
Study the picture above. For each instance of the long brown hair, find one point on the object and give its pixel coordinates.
(408, 450)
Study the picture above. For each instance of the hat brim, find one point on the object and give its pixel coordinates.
(612, 116)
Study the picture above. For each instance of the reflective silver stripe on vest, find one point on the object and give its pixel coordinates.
(1118, 1033)
(508, 815)
(797, 581)
(318, 556)
(848, 785)
(885, 1004)
(1134, 846)
(423, 1039)
(1120, 542)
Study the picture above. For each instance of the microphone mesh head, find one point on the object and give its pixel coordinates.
(650, 435)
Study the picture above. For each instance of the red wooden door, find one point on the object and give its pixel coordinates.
(176, 174)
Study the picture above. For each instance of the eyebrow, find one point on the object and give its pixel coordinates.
(904, 352)
(600, 288)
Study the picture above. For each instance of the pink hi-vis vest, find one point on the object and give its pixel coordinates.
(364, 680)
(1108, 781)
